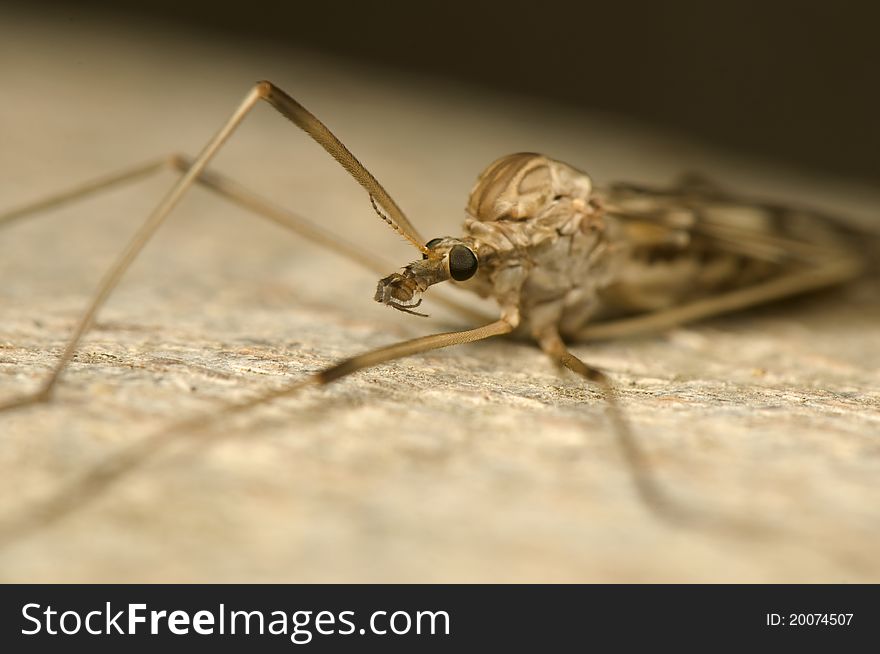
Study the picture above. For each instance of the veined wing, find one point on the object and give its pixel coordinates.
(694, 240)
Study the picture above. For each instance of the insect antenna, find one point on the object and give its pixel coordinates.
(392, 224)
(309, 123)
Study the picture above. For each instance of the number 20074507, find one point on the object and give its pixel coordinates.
(808, 619)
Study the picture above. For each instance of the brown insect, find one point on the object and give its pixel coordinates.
(564, 261)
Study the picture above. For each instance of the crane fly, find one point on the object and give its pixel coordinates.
(564, 260)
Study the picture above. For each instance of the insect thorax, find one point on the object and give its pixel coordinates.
(541, 240)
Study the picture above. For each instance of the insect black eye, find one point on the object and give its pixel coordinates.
(434, 242)
(462, 263)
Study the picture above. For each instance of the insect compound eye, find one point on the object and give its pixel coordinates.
(434, 242)
(462, 263)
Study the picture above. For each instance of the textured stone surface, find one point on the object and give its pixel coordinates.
(477, 463)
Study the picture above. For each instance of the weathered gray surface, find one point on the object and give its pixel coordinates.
(474, 464)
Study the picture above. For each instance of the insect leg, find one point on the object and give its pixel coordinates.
(113, 276)
(82, 190)
(648, 488)
(833, 271)
(645, 484)
(296, 113)
(247, 199)
(73, 496)
(215, 182)
(234, 192)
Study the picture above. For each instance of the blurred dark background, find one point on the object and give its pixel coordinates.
(795, 82)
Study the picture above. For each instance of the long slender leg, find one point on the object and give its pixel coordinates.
(243, 197)
(289, 108)
(646, 485)
(82, 190)
(828, 273)
(73, 496)
(247, 199)
(113, 276)
(215, 182)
